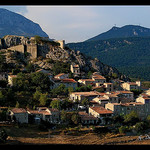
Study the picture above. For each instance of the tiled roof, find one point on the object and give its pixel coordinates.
(97, 76)
(91, 93)
(101, 110)
(68, 81)
(85, 116)
(42, 112)
(18, 110)
(13, 76)
(87, 80)
(131, 104)
(58, 75)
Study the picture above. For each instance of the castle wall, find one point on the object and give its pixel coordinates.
(32, 49)
(18, 48)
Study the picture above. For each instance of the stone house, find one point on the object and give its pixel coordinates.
(20, 114)
(46, 114)
(108, 87)
(86, 81)
(98, 78)
(131, 85)
(126, 108)
(75, 69)
(87, 119)
(100, 113)
(124, 96)
(101, 100)
(67, 82)
(82, 95)
(112, 97)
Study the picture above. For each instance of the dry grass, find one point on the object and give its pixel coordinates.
(31, 135)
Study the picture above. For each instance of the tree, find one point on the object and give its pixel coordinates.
(55, 104)
(2, 98)
(36, 95)
(39, 79)
(85, 102)
(43, 99)
(17, 104)
(75, 118)
(30, 67)
(131, 118)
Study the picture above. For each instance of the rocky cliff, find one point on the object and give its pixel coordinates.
(50, 50)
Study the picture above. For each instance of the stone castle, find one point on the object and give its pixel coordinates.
(27, 45)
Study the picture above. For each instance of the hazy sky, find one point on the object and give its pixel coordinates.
(76, 23)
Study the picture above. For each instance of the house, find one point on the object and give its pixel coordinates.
(86, 81)
(82, 95)
(10, 79)
(46, 114)
(126, 108)
(55, 115)
(61, 76)
(108, 87)
(20, 115)
(124, 96)
(131, 85)
(100, 113)
(113, 98)
(75, 69)
(87, 119)
(98, 78)
(67, 82)
(101, 100)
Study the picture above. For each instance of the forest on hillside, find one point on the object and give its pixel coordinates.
(131, 55)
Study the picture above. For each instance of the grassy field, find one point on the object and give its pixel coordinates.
(32, 135)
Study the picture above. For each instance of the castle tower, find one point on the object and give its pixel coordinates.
(62, 43)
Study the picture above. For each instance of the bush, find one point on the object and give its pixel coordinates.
(123, 129)
(141, 126)
(3, 136)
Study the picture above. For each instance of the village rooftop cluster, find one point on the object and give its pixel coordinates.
(113, 100)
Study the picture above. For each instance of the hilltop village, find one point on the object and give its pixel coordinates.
(44, 81)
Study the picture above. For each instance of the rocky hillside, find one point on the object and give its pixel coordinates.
(15, 24)
(51, 52)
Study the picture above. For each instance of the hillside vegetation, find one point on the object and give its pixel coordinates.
(129, 55)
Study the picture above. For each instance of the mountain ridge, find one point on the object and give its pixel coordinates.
(15, 24)
(122, 32)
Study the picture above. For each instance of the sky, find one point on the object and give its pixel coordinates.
(77, 23)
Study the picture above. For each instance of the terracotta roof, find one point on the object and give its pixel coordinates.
(101, 110)
(87, 80)
(13, 76)
(53, 109)
(58, 75)
(91, 93)
(131, 104)
(39, 112)
(68, 81)
(85, 116)
(132, 83)
(97, 76)
(18, 110)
